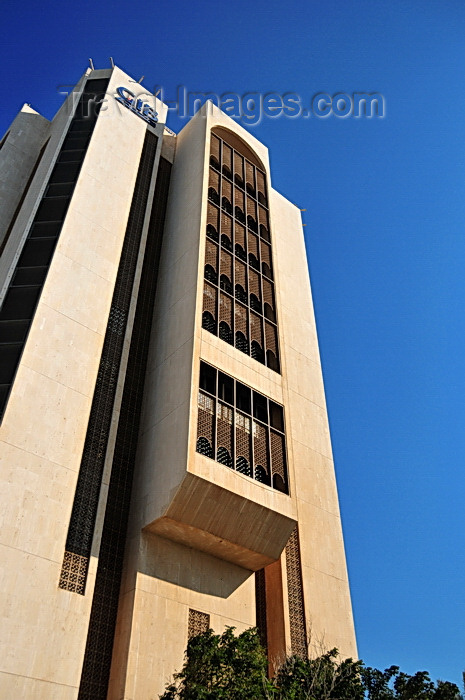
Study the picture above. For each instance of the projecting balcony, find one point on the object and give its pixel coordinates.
(235, 518)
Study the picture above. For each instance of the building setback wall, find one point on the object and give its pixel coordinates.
(21, 147)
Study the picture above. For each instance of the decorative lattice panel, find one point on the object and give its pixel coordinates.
(243, 434)
(74, 573)
(296, 596)
(198, 623)
(278, 463)
(206, 417)
(260, 446)
(260, 606)
(224, 427)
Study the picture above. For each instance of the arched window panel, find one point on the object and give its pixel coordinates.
(226, 284)
(227, 162)
(226, 309)
(211, 255)
(243, 466)
(243, 443)
(241, 325)
(253, 254)
(226, 266)
(239, 170)
(260, 447)
(265, 253)
(261, 187)
(252, 214)
(250, 178)
(213, 221)
(224, 434)
(226, 232)
(214, 180)
(215, 152)
(257, 349)
(226, 196)
(240, 274)
(205, 424)
(271, 340)
(225, 333)
(262, 475)
(208, 322)
(268, 301)
(239, 205)
(241, 342)
(211, 274)
(264, 225)
(223, 456)
(240, 247)
(204, 447)
(209, 309)
(278, 461)
(254, 291)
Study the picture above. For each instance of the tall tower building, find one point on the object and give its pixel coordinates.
(166, 462)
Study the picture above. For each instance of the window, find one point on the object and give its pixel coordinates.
(239, 305)
(241, 429)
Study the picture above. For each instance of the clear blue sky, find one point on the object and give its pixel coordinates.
(385, 202)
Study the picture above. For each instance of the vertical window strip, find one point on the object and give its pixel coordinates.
(248, 283)
(260, 607)
(18, 309)
(297, 622)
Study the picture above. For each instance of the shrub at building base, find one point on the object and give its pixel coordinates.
(226, 667)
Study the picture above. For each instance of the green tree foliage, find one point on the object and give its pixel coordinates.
(222, 667)
(229, 667)
(323, 678)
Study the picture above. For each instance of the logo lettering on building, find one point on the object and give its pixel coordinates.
(142, 109)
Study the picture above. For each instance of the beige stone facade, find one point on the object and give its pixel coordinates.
(198, 530)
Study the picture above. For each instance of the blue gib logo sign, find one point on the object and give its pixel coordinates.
(142, 109)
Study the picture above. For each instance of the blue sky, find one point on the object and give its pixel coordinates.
(385, 202)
